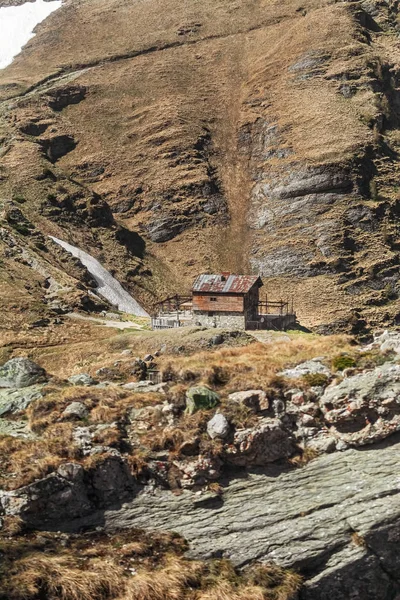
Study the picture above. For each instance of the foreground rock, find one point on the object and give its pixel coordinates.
(20, 372)
(364, 408)
(15, 400)
(258, 446)
(70, 492)
(306, 519)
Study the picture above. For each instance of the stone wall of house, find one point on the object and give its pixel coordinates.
(222, 320)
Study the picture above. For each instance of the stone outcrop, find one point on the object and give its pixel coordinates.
(364, 408)
(258, 446)
(71, 492)
(336, 520)
(16, 400)
(20, 373)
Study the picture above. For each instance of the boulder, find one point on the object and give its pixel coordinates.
(256, 400)
(218, 426)
(81, 379)
(76, 410)
(200, 398)
(14, 400)
(388, 341)
(364, 408)
(260, 445)
(310, 367)
(20, 373)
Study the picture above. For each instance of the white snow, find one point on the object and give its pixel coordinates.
(17, 24)
(107, 286)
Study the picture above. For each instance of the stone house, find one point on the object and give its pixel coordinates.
(226, 300)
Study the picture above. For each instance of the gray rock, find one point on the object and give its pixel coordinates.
(76, 410)
(310, 367)
(258, 446)
(20, 373)
(364, 408)
(216, 340)
(15, 400)
(19, 429)
(146, 387)
(323, 444)
(387, 341)
(303, 519)
(218, 426)
(256, 400)
(81, 379)
(70, 493)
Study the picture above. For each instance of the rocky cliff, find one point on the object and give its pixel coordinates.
(171, 138)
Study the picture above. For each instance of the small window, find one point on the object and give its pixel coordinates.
(210, 314)
(213, 299)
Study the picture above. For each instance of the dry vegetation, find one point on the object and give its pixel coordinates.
(254, 366)
(132, 565)
(229, 369)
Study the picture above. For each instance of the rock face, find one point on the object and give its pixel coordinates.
(20, 373)
(70, 493)
(15, 400)
(364, 408)
(298, 135)
(337, 520)
(266, 443)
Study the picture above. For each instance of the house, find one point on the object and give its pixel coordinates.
(223, 300)
(226, 300)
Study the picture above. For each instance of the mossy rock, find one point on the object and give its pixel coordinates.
(200, 398)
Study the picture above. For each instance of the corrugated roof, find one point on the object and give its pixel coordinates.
(225, 283)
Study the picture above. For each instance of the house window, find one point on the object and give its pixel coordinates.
(213, 299)
(210, 313)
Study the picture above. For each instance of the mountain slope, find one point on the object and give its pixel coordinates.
(170, 138)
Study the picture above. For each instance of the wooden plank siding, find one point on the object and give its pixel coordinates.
(222, 303)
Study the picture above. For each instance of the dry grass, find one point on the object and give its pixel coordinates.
(97, 566)
(256, 366)
(23, 461)
(60, 578)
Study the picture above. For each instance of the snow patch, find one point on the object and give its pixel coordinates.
(107, 286)
(17, 24)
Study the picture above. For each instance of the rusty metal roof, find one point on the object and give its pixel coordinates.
(225, 283)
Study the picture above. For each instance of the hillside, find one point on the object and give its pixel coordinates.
(168, 138)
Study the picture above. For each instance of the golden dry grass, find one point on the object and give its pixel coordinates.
(255, 366)
(23, 461)
(130, 565)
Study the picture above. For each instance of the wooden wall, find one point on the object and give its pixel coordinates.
(223, 303)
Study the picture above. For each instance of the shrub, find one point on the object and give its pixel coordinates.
(343, 361)
(315, 379)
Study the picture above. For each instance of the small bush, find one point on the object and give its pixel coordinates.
(315, 379)
(343, 361)
(20, 199)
